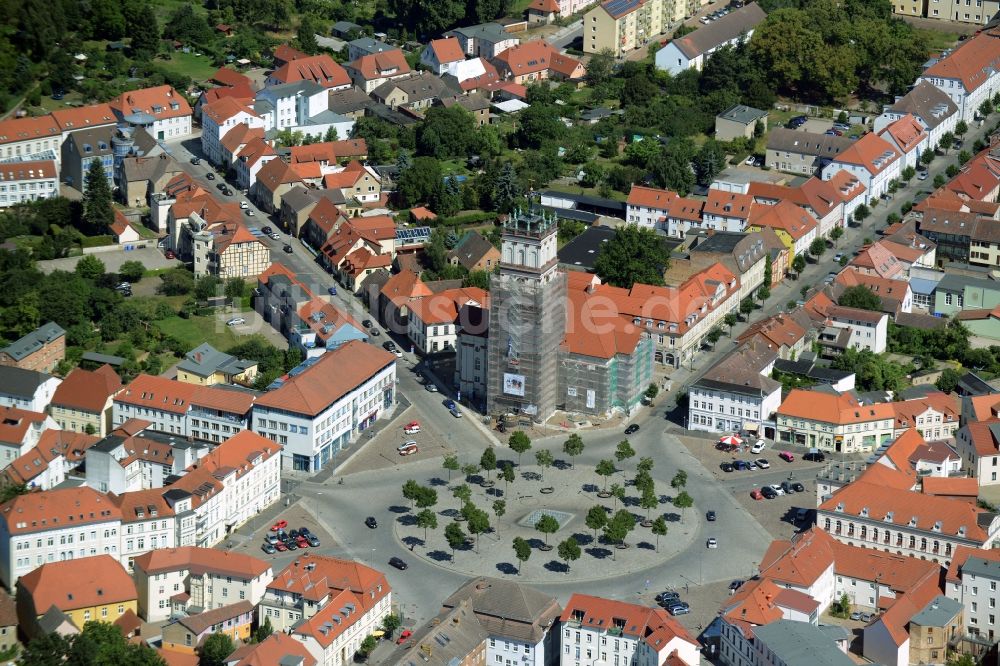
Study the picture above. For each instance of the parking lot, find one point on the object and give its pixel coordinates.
(298, 515)
(380, 451)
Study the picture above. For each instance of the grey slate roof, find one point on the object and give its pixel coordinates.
(470, 249)
(800, 644)
(807, 143)
(982, 567)
(745, 115)
(419, 87)
(720, 31)
(301, 197)
(369, 45)
(205, 360)
(926, 102)
(739, 372)
(21, 383)
(581, 252)
(349, 100)
(938, 612)
(491, 32)
(507, 608)
(32, 342)
(94, 137)
(304, 87)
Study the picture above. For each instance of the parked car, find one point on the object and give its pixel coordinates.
(756, 494)
(411, 428)
(814, 456)
(287, 249)
(710, 516)
(786, 456)
(763, 464)
(837, 257)
(758, 446)
(856, 615)
(867, 617)
(726, 467)
(313, 541)
(271, 539)
(249, 212)
(407, 449)
(740, 465)
(457, 414)
(268, 548)
(735, 585)
(798, 487)
(431, 387)
(668, 596)
(768, 492)
(210, 176)
(374, 332)
(291, 545)
(332, 291)
(449, 404)
(752, 466)
(236, 321)
(244, 205)
(169, 254)
(398, 563)
(367, 323)
(631, 429)
(371, 522)
(679, 609)
(194, 160)
(922, 175)
(712, 542)
(787, 487)
(778, 490)
(280, 525)
(403, 637)
(280, 547)
(266, 231)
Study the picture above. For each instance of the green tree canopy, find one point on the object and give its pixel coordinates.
(519, 443)
(573, 446)
(860, 296)
(569, 551)
(547, 525)
(216, 648)
(634, 255)
(522, 551)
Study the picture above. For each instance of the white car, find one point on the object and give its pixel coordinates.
(752, 466)
(777, 489)
(763, 464)
(236, 321)
(244, 205)
(758, 446)
(431, 388)
(712, 542)
(398, 352)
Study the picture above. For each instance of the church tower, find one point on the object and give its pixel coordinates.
(527, 319)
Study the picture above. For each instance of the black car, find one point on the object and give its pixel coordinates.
(631, 429)
(398, 563)
(787, 487)
(313, 541)
(374, 332)
(195, 160)
(211, 176)
(266, 231)
(228, 192)
(710, 516)
(304, 531)
(367, 323)
(371, 522)
(220, 186)
(668, 597)
(293, 534)
(735, 585)
(814, 456)
(798, 487)
(768, 492)
(287, 249)
(726, 467)
(290, 545)
(388, 345)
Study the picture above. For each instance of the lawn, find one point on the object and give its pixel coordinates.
(937, 40)
(198, 68)
(196, 330)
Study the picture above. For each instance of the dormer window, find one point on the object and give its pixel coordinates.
(913, 521)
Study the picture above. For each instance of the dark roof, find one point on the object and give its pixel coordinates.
(572, 214)
(476, 321)
(20, 382)
(581, 252)
(918, 320)
(471, 249)
(972, 384)
(740, 371)
(418, 88)
(807, 143)
(507, 608)
(619, 8)
(348, 101)
(32, 342)
(94, 357)
(926, 102)
(593, 203)
(810, 371)
(745, 115)
(720, 31)
(93, 137)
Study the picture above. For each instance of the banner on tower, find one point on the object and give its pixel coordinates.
(513, 384)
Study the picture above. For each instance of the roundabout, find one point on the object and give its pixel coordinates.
(615, 545)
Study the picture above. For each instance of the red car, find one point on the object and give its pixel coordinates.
(280, 547)
(756, 494)
(404, 636)
(301, 542)
(280, 525)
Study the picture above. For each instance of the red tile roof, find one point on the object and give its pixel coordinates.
(728, 204)
(28, 129)
(53, 443)
(972, 63)
(200, 561)
(784, 216)
(654, 626)
(951, 486)
(870, 151)
(444, 307)
(94, 115)
(447, 50)
(650, 197)
(907, 132)
(158, 101)
(15, 422)
(536, 56)
(379, 65)
(271, 651)
(82, 583)
(241, 135)
(87, 390)
(229, 77)
(158, 393)
(320, 69)
(29, 170)
(225, 108)
(838, 409)
(404, 286)
(337, 373)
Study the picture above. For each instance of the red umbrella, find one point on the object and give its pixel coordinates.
(731, 440)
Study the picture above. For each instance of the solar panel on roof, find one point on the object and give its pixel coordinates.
(619, 7)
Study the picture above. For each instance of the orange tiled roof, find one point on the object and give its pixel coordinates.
(29, 170)
(161, 102)
(158, 393)
(445, 306)
(972, 63)
(94, 115)
(951, 486)
(832, 408)
(907, 132)
(52, 509)
(82, 583)
(255, 149)
(225, 108)
(752, 605)
(141, 505)
(315, 152)
(87, 390)
(337, 373)
(276, 173)
(784, 216)
(447, 50)
(28, 129)
(229, 77)
(650, 197)
(799, 562)
(382, 64)
(728, 204)
(320, 69)
(654, 626)
(15, 422)
(241, 135)
(404, 286)
(242, 93)
(870, 151)
(200, 561)
(271, 651)
(53, 443)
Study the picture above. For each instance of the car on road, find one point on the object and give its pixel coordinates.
(388, 345)
(268, 548)
(228, 192)
(798, 487)
(837, 257)
(398, 563)
(768, 492)
(287, 249)
(412, 427)
(449, 404)
(454, 412)
(856, 615)
(758, 446)
(267, 231)
(763, 464)
(219, 186)
(407, 449)
(712, 542)
(374, 332)
(274, 236)
(332, 291)
(710, 516)
(726, 467)
(778, 490)
(786, 456)
(367, 323)
(236, 321)
(195, 160)
(431, 387)
(631, 429)
(169, 254)
(735, 585)
(371, 522)
(814, 456)
(922, 175)
(679, 609)
(756, 494)
(244, 205)
(249, 212)
(210, 176)
(403, 637)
